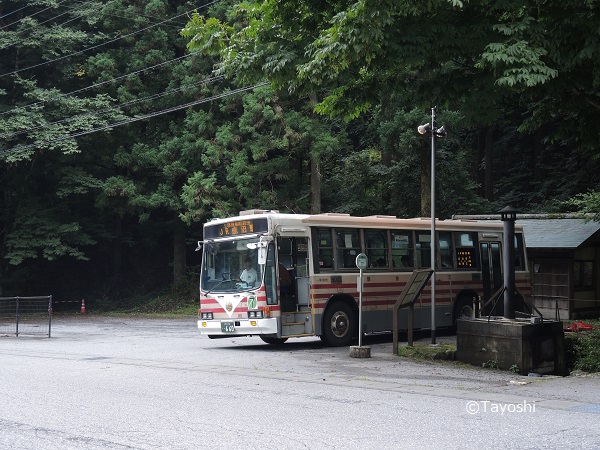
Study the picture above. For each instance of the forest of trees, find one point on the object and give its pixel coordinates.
(126, 124)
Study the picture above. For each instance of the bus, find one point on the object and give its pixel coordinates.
(279, 276)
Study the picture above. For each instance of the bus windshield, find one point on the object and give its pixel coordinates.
(231, 266)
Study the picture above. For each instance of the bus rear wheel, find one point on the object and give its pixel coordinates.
(339, 325)
(464, 309)
(273, 340)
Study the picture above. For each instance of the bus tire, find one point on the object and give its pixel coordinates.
(464, 309)
(273, 340)
(339, 325)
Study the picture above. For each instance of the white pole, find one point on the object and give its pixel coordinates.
(433, 241)
(360, 292)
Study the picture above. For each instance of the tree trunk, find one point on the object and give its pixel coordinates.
(179, 253)
(118, 251)
(489, 164)
(315, 174)
(538, 148)
(315, 184)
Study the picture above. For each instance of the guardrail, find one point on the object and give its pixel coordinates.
(25, 315)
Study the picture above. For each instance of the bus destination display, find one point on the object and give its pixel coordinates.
(236, 228)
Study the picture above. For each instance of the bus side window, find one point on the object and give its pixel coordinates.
(446, 249)
(519, 259)
(325, 245)
(465, 250)
(423, 249)
(301, 258)
(377, 248)
(347, 247)
(402, 250)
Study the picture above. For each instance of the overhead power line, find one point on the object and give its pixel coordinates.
(30, 15)
(26, 30)
(133, 119)
(105, 43)
(112, 108)
(93, 86)
(102, 13)
(46, 21)
(11, 13)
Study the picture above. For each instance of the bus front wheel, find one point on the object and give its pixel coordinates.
(273, 340)
(339, 325)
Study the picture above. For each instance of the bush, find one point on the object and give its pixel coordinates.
(583, 349)
(179, 299)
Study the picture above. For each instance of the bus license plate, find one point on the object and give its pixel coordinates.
(227, 327)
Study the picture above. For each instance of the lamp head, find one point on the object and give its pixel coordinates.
(424, 129)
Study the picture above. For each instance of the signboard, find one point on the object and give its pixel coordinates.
(361, 261)
(235, 228)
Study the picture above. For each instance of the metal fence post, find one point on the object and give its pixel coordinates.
(49, 314)
(17, 317)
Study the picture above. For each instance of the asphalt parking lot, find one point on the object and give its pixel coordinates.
(147, 383)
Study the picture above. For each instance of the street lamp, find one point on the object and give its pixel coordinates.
(435, 133)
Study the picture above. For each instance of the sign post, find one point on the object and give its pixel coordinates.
(361, 263)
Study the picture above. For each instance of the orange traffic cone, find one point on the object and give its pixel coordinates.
(82, 306)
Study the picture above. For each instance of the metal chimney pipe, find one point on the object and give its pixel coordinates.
(509, 216)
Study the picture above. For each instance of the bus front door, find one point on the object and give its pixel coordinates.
(293, 257)
(295, 307)
(491, 275)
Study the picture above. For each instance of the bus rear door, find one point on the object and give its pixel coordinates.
(491, 275)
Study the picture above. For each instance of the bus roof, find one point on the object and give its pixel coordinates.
(394, 222)
(375, 221)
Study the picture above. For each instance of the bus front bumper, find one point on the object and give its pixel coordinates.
(238, 327)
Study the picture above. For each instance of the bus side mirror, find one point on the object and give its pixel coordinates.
(262, 255)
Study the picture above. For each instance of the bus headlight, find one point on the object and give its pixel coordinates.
(206, 316)
(255, 314)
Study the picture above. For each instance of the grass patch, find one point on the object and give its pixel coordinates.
(428, 352)
(167, 303)
(583, 348)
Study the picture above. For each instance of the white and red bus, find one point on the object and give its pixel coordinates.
(305, 279)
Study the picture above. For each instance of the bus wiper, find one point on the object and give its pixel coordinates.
(217, 285)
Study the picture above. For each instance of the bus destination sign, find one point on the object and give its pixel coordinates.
(235, 228)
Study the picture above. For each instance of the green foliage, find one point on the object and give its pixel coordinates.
(491, 364)
(180, 299)
(107, 198)
(518, 59)
(259, 157)
(472, 55)
(210, 36)
(39, 232)
(587, 203)
(583, 349)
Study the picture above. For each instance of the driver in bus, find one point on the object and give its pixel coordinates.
(248, 275)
